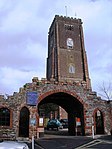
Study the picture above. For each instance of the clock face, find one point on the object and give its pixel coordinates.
(69, 42)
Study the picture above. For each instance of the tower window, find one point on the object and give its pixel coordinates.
(69, 27)
(71, 68)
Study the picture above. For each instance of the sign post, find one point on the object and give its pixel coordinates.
(40, 129)
(78, 123)
(33, 123)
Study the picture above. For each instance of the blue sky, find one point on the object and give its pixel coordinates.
(24, 26)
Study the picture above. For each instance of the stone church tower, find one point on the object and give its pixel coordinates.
(67, 61)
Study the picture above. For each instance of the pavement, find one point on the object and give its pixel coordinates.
(73, 142)
(63, 142)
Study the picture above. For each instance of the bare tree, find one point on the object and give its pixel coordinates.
(105, 90)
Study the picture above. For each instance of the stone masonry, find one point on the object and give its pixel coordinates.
(44, 88)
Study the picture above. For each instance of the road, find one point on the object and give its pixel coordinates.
(52, 140)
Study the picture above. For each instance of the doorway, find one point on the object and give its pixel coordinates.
(24, 122)
(72, 106)
(99, 122)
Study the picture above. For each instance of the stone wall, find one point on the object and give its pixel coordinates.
(89, 99)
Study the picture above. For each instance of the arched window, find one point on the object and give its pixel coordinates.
(24, 122)
(4, 117)
(71, 68)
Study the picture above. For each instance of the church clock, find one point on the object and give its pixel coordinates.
(69, 43)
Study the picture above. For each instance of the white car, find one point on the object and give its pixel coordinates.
(13, 145)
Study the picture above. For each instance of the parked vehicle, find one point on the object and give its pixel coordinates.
(64, 123)
(54, 124)
(13, 145)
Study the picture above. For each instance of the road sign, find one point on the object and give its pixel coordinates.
(78, 121)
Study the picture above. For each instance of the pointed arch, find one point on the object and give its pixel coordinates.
(71, 68)
(5, 117)
(24, 122)
(71, 102)
(98, 121)
(44, 95)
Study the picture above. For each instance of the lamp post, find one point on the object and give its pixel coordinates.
(33, 122)
(92, 128)
(32, 141)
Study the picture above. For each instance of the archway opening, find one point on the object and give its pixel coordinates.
(99, 122)
(24, 122)
(72, 106)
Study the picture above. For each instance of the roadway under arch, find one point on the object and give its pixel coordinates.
(71, 105)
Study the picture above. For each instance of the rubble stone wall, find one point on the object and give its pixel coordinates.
(89, 99)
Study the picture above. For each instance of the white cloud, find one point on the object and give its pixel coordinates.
(13, 79)
(23, 17)
(24, 28)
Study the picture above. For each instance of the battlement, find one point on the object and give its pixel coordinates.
(66, 18)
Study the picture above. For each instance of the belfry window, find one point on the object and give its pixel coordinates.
(4, 117)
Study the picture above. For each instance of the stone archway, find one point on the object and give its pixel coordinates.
(72, 104)
(24, 122)
(99, 122)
